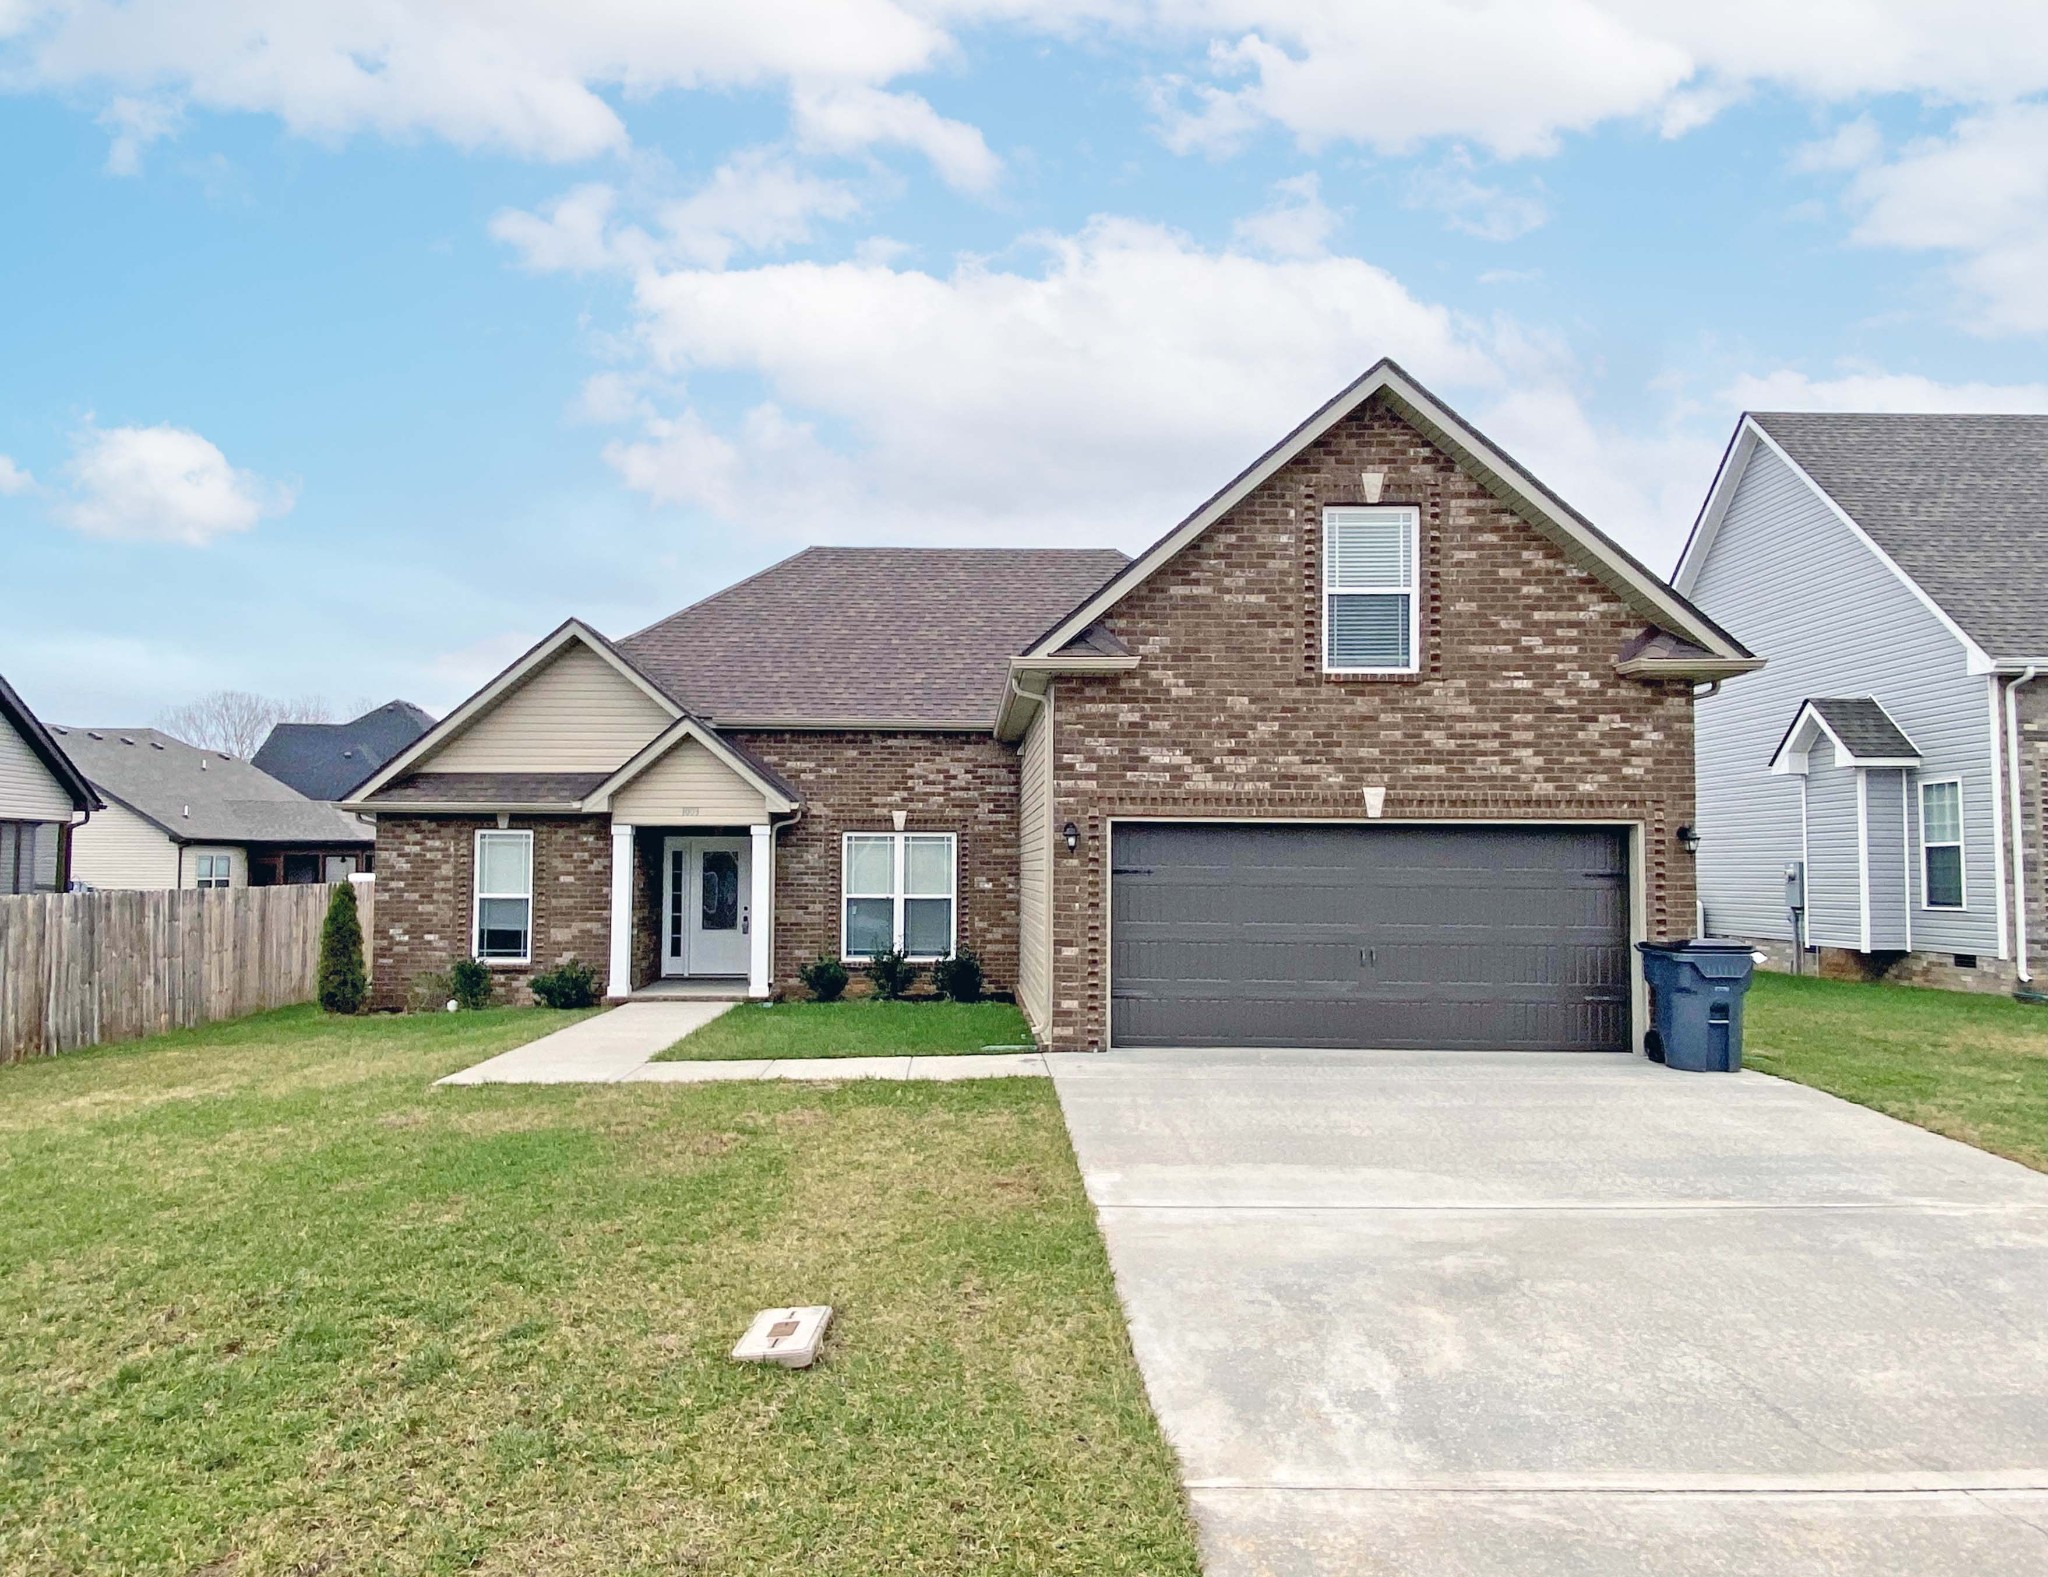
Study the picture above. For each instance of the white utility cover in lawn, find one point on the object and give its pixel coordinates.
(1524, 1315)
(790, 1337)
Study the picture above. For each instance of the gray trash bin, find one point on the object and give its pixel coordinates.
(1696, 991)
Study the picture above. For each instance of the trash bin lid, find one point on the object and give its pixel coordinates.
(1698, 945)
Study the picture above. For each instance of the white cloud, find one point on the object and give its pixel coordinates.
(163, 484)
(1492, 213)
(134, 124)
(1297, 224)
(1981, 191)
(1871, 390)
(758, 201)
(13, 479)
(847, 119)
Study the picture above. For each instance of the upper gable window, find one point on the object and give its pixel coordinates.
(1369, 594)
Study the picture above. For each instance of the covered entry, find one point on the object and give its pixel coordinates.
(1484, 937)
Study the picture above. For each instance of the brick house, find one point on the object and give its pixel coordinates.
(1383, 746)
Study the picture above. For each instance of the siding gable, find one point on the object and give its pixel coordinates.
(689, 784)
(1789, 580)
(576, 714)
(27, 790)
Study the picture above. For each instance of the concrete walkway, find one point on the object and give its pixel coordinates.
(618, 1047)
(1478, 1315)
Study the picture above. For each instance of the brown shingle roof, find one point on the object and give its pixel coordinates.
(849, 635)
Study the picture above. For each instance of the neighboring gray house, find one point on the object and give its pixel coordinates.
(43, 798)
(179, 816)
(1894, 569)
(327, 760)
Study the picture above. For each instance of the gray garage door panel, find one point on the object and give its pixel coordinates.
(1483, 937)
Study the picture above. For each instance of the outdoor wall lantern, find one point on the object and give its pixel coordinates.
(1071, 835)
(1689, 838)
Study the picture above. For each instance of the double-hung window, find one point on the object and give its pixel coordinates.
(504, 897)
(1941, 845)
(1369, 591)
(213, 870)
(898, 891)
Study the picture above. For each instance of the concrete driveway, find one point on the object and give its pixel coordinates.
(1471, 1315)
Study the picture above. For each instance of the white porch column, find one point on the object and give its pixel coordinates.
(761, 915)
(621, 982)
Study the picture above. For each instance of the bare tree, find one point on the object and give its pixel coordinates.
(237, 721)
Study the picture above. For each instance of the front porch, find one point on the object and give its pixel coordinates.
(692, 911)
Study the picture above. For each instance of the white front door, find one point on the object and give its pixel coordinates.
(705, 898)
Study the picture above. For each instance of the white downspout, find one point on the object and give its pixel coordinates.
(1998, 872)
(2019, 826)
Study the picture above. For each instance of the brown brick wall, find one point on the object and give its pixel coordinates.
(1518, 713)
(424, 895)
(851, 782)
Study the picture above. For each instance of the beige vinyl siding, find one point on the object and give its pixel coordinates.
(118, 849)
(578, 714)
(1034, 874)
(238, 863)
(689, 784)
(27, 791)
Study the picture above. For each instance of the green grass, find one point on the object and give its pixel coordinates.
(269, 1304)
(862, 1028)
(1970, 1066)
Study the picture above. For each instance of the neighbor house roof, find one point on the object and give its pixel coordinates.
(202, 796)
(912, 637)
(15, 712)
(1959, 503)
(1862, 730)
(326, 760)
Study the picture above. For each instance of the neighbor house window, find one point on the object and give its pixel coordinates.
(1941, 845)
(898, 892)
(213, 870)
(504, 896)
(1369, 594)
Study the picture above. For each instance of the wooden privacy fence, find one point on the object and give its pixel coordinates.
(77, 969)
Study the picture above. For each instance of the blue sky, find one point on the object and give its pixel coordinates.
(350, 354)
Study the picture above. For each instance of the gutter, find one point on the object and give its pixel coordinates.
(2019, 832)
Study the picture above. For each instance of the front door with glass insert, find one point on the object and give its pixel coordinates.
(705, 898)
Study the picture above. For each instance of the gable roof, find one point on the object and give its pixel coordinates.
(874, 637)
(14, 711)
(1863, 732)
(326, 760)
(1957, 505)
(202, 796)
(1498, 472)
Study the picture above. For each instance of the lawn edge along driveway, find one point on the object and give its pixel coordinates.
(861, 1027)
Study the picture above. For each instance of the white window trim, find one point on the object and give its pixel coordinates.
(1411, 518)
(1960, 845)
(899, 841)
(478, 895)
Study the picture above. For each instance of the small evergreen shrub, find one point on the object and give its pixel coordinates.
(959, 976)
(469, 982)
(429, 992)
(342, 985)
(570, 985)
(892, 974)
(824, 977)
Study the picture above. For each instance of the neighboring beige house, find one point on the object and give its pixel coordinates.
(42, 798)
(178, 816)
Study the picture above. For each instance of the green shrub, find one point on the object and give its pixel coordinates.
(570, 985)
(824, 977)
(469, 982)
(343, 988)
(892, 974)
(429, 992)
(959, 976)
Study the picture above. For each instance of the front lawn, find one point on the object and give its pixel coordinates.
(1969, 1066)
(269, 1304)
(863, 1028)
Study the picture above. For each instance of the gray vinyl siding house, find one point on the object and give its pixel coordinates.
(1791, 571)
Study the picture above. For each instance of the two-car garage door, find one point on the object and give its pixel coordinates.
(1434, 937)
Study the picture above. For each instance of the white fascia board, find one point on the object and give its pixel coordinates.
(1975, 659)
(1727, 477)
(535, 658)
(686, 727)
(1533, 500)
(1029, 677)
(1808, 722)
